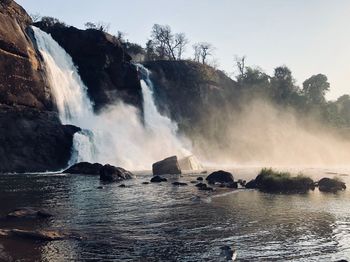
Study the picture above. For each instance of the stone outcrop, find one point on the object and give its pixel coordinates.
(110, 173)
(22, 80)
(84, 168)
(331, 185)
(220, 177)
(187, 91)
(32, 140)
(168, 165)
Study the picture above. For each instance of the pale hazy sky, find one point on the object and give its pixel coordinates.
(309, 36)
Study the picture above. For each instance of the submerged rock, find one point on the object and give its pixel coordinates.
(179, 184)
(43, 235)
(231, 185)
(84, 168)
(168, 165)
(331, 185)
(204, 187)
(220, 177)
(28, 212)
(158, 179)
(110, 173)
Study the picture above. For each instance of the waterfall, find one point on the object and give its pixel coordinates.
(154, 120)
(116, 135)
(69, 92)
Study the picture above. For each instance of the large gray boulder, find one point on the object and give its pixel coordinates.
(331, 185)
(110, 173)
(168, 165)
(220, 177)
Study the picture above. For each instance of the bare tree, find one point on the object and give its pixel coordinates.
(168, 45)
(202, 52)
(240, 63)
(90, 25)
(35, 17)
(180, 44)
(101, 26)
(197, 52)
(121, 36)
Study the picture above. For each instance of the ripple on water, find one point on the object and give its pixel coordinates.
(161, 222)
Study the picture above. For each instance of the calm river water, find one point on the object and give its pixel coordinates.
(161, 222)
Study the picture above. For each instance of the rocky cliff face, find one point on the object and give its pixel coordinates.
(32, 140)
(102, 63)
(31, 135)
(21, 74)
(190, 91)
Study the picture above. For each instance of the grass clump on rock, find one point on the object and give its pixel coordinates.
(269, 180)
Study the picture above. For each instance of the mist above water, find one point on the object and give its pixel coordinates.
(263, 134)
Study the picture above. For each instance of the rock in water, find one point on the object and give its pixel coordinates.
(179, 184)
(27, 212)
(158, 179)
(190, 163)
(168, 165)
(251, 184)
(110, 173)
(220, 177)
(331, 185)
(84, 168)
(42, 235)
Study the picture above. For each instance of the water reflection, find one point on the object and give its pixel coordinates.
(160, 222)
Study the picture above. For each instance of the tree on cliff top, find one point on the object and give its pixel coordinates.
(101, 26)
(202, 51)
(167, 45)
(315, 88)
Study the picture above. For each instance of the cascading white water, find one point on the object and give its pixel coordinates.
(69, 92)
(115, 135)
(154, 121)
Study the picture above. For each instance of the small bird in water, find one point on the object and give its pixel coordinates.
(228, 253)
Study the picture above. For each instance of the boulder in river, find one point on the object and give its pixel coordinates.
(168, 165)
(84, 168)
(251, 184)
(158, 179)
(204, 187)
(220, 177)
(110, 173)
(28, 212)
(331, 185)
(190, 163)
(42, 235)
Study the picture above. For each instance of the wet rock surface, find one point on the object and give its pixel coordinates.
(158, 179)
(28, 212)
(168, 165)
(84, 168)
(331, 185)
(220, 177)
(109, 173)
